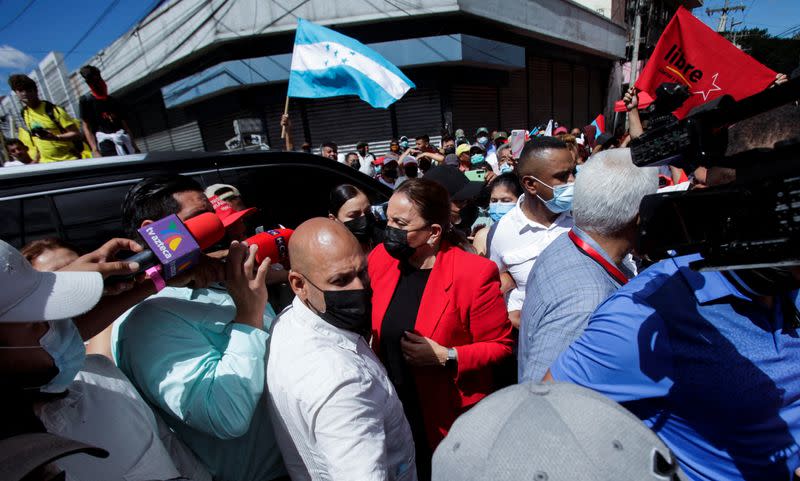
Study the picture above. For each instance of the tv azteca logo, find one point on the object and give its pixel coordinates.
(171, 239)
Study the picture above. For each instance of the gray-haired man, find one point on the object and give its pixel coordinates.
(582, 267)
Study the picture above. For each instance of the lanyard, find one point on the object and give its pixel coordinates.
(590, 251)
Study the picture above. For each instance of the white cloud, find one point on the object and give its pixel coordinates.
(13, 58)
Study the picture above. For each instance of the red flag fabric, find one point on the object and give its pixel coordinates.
(690, 53)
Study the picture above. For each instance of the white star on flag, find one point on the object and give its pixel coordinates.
(714, 88)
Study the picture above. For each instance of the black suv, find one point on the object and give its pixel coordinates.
(81, 201)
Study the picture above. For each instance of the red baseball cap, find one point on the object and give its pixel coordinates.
(225, 212)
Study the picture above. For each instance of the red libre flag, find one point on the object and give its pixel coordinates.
(689, 52)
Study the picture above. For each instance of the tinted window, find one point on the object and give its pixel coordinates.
(290, 194)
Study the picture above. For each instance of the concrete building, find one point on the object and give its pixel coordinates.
(191, 67)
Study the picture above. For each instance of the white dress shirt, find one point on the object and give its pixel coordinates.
(516, 244)
(102, 408)
(335, 412)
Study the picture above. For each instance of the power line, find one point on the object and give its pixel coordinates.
(94, 25)
(21, 13)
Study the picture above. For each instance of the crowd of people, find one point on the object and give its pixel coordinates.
(484, 323)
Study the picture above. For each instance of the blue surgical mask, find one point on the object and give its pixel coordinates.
(62, 342)
(476, 159)
(483, 140)
(506, 168)
(498, 209)
(562, 197)
(404, 144)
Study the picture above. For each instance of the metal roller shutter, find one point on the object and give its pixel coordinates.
(580, 92)
(541, 94)
(473, 107)
(158, 142)
(419, 112)
(562, 92)
(597, 80)
(346, 120)
(274, 111)
(513, 103)
(187, 137)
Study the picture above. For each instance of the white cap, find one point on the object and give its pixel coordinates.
(28, 295)
(232, 191)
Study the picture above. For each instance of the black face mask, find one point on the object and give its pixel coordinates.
(362, 227)
(449, 150)
(350, 310)
(395, 242)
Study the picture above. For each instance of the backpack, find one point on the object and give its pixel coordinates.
(49, 110)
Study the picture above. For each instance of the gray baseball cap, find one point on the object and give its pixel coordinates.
(552, 432)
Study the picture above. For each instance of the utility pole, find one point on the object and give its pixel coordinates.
(637, 32)
(723, 19)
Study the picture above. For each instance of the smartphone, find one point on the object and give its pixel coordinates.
(476, 175)
(40, 132)
(517, 141)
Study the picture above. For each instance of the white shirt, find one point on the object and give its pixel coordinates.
(366, 164)
(517, 243)
(335, 412)
(102, 408)
(14, 163)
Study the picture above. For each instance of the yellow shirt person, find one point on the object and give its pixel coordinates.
(49, 150)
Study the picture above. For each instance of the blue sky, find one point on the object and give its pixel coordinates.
(46, 25)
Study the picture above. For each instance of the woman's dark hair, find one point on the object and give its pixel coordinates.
(433, 204)
(34, 249)
(339, 195)
(509, 180)
(152, 199)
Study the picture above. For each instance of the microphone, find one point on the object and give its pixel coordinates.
(176, 245)
(272, 244)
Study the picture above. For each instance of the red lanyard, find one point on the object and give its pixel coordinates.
(590, 251)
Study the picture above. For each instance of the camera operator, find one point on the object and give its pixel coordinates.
(199, 354)
(709, 360)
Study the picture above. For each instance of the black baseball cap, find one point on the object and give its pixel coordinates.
(457, 184)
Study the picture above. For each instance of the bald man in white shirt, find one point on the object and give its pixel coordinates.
(335, 411)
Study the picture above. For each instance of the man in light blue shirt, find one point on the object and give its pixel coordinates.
(580, 269)
(198, 356)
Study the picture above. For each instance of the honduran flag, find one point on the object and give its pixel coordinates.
(326, 63)
(599, 124)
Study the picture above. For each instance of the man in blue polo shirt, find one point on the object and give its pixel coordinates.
(712, 369)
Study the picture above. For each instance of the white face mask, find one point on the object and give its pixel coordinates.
(63, 342)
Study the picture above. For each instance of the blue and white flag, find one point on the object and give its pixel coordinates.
(328, 64)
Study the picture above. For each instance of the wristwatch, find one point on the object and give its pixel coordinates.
(452, 358)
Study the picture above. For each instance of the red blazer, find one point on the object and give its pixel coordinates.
(461, 307)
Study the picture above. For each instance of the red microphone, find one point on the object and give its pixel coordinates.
(206, 228)
(272, 244)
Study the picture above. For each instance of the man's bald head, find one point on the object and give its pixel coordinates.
(317, 239)
(537, 153)
(325, 257)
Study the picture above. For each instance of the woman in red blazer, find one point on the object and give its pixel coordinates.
(439, 321)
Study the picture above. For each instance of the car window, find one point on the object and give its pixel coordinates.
(290, 194)
(25, 220)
